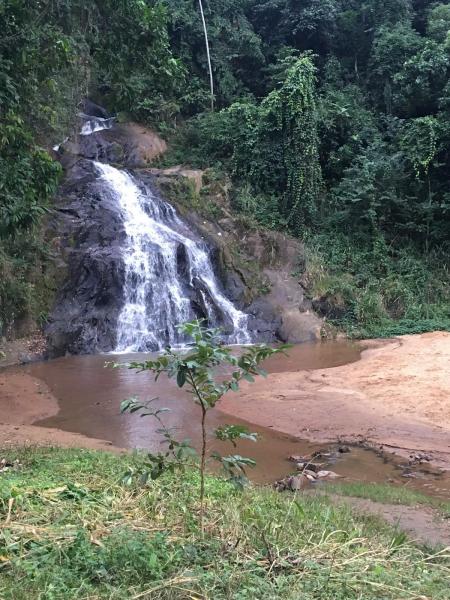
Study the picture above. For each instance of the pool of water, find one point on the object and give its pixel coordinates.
(89, 396)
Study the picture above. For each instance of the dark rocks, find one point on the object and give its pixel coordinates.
(89, 107)
(264, 320)
(90, 229)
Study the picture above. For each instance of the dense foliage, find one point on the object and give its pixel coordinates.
(339, 131)
(333, 119)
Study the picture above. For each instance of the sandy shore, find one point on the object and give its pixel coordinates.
(25, 400)
(397, 395)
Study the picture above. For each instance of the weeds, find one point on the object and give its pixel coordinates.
(374, 292)
(389, 494)
(76, 532)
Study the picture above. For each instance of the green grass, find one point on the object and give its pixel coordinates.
(388, 494)
(373, 291)
(71, 530)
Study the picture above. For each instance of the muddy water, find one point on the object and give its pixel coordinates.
(89, 397)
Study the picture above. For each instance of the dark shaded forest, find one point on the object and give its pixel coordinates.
(331, 118)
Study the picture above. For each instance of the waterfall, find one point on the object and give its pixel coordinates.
(92, 124)
(169, 277)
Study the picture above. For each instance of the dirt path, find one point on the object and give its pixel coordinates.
(397, 395)
(25, 400)
(422, 524)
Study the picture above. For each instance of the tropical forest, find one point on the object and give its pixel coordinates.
(225, 299)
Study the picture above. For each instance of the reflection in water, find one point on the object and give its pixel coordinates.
(90, 394)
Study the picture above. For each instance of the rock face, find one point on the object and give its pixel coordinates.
(260, 269)
(255, 267)
(87, 228)
(90, 230)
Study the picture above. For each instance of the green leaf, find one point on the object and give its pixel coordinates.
(181, 378)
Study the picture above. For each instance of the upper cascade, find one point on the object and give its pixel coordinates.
(92, 124)
(169, 277)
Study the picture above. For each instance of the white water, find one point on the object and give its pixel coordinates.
(93, 124)
(90, 125)
(167, 268)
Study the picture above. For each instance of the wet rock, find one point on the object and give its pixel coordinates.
(314, 467)
(298, 327)
(310, 474)
(419, 458)
(328, 475)
(292, 483)
(140, 145)
(88, 107)
(89, 226)
(30, 357)
(297, 459)
(343, 449)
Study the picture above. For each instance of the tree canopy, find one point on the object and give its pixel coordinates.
(332, 116)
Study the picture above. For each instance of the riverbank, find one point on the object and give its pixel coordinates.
(70, 530)
(24, 400)
(22, 350)
(397, 396)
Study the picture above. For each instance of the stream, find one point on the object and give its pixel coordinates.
(89, 397)
(135, 270)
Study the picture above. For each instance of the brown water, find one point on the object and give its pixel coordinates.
(89, 397)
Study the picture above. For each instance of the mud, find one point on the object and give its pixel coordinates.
(421, 524)
(397, 396)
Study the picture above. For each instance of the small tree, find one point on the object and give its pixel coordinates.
(195, 370)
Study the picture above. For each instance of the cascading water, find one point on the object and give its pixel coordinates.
(93, 124)
(169, 278)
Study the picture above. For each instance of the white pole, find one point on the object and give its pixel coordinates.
(211, 80)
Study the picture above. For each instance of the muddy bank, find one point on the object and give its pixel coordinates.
(22, 351)
(422, 524)
(23, 401)
(397, 395)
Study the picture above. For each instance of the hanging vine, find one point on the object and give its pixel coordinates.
(275, 145)
(297, 116)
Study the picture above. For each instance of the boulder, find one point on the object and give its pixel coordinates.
(297, 327)
(140, 145)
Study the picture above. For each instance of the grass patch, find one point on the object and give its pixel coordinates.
(388, 494)
(72, 530)
(373, 291)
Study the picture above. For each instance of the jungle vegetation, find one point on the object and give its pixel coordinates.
(331, 118)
